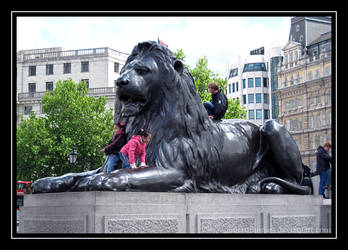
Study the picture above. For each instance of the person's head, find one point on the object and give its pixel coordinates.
(145, 135)
(213, 87)
(327, 146)
(119, 127)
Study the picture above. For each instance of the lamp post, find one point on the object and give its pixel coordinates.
(73, 158)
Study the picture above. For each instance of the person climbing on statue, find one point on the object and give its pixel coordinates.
(112, 150)
(136, 147)
(217, 106)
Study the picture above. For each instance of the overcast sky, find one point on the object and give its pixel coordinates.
(220, 39)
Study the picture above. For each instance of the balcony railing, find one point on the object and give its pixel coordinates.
(37, 96)
(73, 53)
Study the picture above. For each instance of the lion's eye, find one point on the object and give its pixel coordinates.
(142, 71)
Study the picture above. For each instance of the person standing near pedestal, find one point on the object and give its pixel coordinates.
(323, 166)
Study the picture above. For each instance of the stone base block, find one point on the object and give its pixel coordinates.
(156, 212)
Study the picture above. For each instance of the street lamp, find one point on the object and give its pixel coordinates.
(72, 158)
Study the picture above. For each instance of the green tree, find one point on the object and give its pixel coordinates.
(202, 76)
(235, 110)
(71, 118)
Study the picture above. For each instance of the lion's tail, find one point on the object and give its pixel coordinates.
(292, 187)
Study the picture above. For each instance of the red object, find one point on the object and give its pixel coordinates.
(23, 187)
(162, 43)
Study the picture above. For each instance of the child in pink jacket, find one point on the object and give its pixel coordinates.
(135, 148)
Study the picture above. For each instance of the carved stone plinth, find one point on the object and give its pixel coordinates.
(167, 213)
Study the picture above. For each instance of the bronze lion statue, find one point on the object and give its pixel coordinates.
(188, 152)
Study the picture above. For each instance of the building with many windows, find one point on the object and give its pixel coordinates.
(38, 71)
(249, 83)
(304, 92)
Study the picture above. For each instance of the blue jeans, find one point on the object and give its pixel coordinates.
(112, 162)
(125, 161)
(325, 179)
(209, 107)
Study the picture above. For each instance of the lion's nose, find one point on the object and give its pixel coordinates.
(122, 81)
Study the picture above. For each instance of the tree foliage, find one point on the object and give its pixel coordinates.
(202, 76)
(72, 118)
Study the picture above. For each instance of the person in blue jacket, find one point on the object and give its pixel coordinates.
(119, 139)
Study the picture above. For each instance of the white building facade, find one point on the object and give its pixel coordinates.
(249, 82)
(39, 70)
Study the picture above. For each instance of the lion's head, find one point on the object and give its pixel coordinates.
(141, 79)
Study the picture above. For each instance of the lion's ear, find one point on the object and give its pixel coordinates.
(178, 66)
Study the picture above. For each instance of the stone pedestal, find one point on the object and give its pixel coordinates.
(157, 212)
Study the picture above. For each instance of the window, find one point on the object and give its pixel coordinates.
(84, 66)
(328, 70)
(310, 76)
(311, 122)
(233, 72)
(265, 98)
(265, 82)
(229, 88)
(27, 110)
(298, 78)
(257, 81)
(299, 101)
(259, 114)
(258, 98)
(266, 114)
(244, 84)
(293, 125)
(67, 68)
(318, 98)
(250, 98)
(86, 81)
(286, 82)
(328, 118)
(254, 67)
(237, 83)
(292, 103)
(116, 67)
(32, 87)
(244, 99)
(319, 121)
(311, 99)
(49, 86)
(233, 87)
(251, 115)
(329, 96)
(32, 70)
(292, 81)
(49, 69)
(250, 82)
(317, 74)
